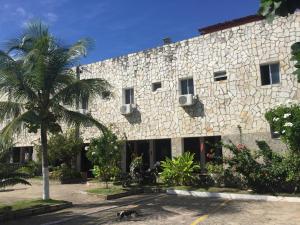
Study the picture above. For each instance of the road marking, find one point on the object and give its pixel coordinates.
(204, 217)
(97, 210)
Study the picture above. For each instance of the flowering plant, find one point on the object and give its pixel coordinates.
(285, 120)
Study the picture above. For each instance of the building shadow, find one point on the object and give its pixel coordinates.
(196, 110)
(135, 117)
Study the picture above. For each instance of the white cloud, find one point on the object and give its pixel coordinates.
(21, 11)
(51, 17)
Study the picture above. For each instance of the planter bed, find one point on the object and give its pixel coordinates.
(31, 207)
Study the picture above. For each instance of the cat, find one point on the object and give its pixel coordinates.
(127, 214)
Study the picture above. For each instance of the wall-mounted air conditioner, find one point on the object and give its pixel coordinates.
(186, 100)
(126, 109)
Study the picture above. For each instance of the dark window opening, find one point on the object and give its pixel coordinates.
(218, 76)
(156, 86)
(187, 86)
(162, 149)
(269, 74)
(84, 103)
(129, 96)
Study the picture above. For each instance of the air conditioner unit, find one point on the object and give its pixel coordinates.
(126, 109)
(83, 111)
(186, 100)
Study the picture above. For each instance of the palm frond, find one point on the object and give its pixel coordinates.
(15, 126)
(80, 48)
(12, 182)
(85, 88)
(76, 118)
(10, 109)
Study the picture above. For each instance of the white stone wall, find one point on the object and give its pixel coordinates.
(240, 100)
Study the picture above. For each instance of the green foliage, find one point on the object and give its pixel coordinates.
(31, 168)
(136, 170)
(9, 176)
(265, 170)
(64, 173)
(272, 8)
(105, 153)
(286, 121)
(64, 147)
(179, 170)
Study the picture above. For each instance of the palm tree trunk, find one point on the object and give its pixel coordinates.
(45, 164)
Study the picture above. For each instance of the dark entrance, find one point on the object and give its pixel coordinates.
(212, 151)
(86, 165)
(137, 148)
(162, 149)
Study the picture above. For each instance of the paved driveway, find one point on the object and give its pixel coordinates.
(156, 209)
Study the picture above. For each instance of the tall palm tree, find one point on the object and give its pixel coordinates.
(37, 79)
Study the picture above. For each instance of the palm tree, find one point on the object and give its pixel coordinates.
(9, 176)
(38, 80)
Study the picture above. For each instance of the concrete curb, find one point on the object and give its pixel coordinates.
(34, 211)
(268, 198)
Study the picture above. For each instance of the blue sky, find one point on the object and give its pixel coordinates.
(120, 27)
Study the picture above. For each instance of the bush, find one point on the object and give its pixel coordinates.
(31, 168)
(285, 120)
(179, 170)
(63, 173)
(265, 170)
(105, 154)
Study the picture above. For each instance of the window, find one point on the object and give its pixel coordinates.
(187, 86)
(84, 103)
(218, 76)
(128, 96)
(269, 74)
(156, 86)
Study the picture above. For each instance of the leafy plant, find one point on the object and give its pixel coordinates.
(179, 170)
(64, 173)
(136, 170)
(296, 58)
(285, 120)
(40, 81)
(105, 154)
(31, 168)
(265, 170)
(9, 176)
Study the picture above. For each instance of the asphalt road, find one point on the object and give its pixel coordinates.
(156, 209)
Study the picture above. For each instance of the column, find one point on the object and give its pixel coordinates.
(152, 152)
(177, 146)
(123, 158)
(202, 154)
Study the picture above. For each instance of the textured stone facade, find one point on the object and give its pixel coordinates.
(221, 106)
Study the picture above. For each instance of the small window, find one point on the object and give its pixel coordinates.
(84, 103)
(156, 86)
(187, 86)
(218, 76)
(128, 96)
(274, 134)
(269, 74)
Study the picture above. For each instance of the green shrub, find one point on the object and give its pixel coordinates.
(179, 170)
(31, 168)
(136, 170)
(285, 120)
(265, 170)
(105, 153)
(64, 173)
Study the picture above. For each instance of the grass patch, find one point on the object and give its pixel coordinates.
(26, 204)
(107, 191)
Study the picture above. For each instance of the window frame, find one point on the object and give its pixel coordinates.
(131, 97)
(220, 74)
(155, 89)
(187, 88)
(269, 64)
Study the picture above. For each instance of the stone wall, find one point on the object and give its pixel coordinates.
(222, 106)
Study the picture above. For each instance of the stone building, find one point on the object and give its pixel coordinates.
(188, 95)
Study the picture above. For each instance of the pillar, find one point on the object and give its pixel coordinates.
(123, 158)
(152, 152)
(177, 146)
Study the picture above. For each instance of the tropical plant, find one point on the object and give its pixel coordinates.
(9, 176)
(63, 148)
(136, 170)
(272, 8)
(105, 153)
(38, 79)
(285, 120)
(179, 170)
(266, 170)
(65, 174)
